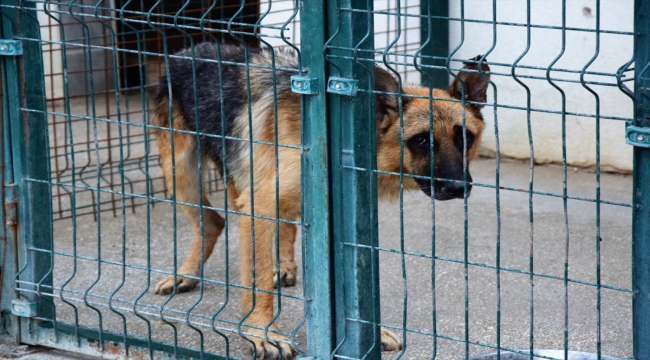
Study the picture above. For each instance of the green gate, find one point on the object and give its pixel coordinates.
(87, 215)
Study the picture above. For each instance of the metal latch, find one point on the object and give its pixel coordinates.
(11, 47)
(637, 136)
(304, 85)
(342, 86)
(23, 308)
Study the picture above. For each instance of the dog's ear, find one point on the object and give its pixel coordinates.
(475, 84)
(386, 104)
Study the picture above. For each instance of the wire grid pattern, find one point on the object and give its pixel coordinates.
(606, 90)
(101, 63)
(92, 138)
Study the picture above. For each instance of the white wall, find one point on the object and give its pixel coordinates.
(545, 45)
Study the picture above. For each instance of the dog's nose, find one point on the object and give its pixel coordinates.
(455, 189)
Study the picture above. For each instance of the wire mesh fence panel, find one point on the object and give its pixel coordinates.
(457, 174)
(120, 236)
(530, 260)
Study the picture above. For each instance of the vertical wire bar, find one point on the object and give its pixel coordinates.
(324, 220)
(73, 191)
(111, 31)
(147, 204)
(531, 178)
(496, 177)
(398, 33)
(88, 63)
(199, 175)
(640, 223)
(224, 176)
(465, 217)
(277, 169)
(253, 287)
(316, 199)
(564, 183)
(170, 109)
(597, 125)
(428, 81)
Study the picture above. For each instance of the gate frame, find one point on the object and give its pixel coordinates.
(641, 188)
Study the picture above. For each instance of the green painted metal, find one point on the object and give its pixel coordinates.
(11, 48)
(9, 329)
(342, 86)
(317, 221)
(304, 85)
(637, 136)
(641, 188)
(29, 147)
(434, 37)
(354, 183)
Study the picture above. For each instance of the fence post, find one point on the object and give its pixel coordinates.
(641, 213)
(354, 185)
(23, 80)
(435, 42)
(315, 184)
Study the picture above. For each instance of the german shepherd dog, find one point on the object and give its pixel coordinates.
(217, 93)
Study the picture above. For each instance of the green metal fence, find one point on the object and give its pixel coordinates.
(538, 257)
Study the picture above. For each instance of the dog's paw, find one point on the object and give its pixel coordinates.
(390, 341)
(271, 349)
(166, 285)
(288, 274)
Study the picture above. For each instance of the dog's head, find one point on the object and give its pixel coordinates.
(449, 141)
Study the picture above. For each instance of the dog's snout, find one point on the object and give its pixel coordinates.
(455, 189)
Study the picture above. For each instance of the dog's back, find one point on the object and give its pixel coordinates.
(213, 94)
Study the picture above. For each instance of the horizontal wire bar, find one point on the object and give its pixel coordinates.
(134, 124)
(448, 337)
(508, 75)
(536, 192)
(154, 315)
(257, 216)
(159, 271)
(505, 23)
(485, 265)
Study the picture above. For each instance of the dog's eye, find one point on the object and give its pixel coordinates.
(421, 140)
(458, 140)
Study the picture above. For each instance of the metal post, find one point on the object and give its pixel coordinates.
(641, 213)
(354, 185)
(315, 185)
(29, 148)
(434, 37)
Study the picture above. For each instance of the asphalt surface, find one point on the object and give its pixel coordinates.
(465, 297)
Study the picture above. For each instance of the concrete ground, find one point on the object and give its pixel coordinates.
(149, 242)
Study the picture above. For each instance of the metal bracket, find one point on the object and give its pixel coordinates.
(23, 308)
(11, 47)
(637, 136)
(342, 86)
(304, 85)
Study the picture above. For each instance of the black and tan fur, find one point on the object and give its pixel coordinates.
(223, 110)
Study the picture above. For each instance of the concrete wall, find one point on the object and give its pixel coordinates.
(546, 45)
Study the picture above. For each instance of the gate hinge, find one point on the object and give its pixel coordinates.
(637, 136)
(11, 47)
(11, 206)
(23, 308)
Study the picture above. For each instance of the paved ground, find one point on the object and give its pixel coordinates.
(217, 299)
